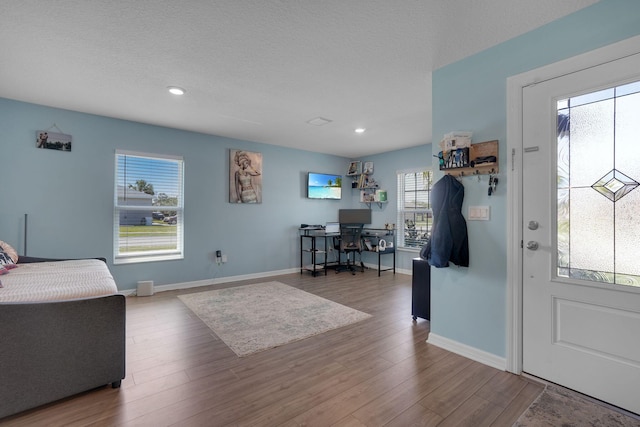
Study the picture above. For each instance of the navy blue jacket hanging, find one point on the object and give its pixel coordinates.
(449, 241)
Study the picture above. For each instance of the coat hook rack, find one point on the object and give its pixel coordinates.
(482, 160)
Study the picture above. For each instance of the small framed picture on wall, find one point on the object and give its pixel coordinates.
(53, 140)
(368, 168)
(355, 168)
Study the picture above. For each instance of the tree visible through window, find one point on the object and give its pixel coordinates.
(414, 207)
(148, 220)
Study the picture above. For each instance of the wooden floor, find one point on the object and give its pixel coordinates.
(379, 372)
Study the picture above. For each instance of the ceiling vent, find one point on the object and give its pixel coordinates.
(319, 121)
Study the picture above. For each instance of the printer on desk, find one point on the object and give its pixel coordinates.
(332, 227)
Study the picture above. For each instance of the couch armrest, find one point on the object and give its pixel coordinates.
(53, 350)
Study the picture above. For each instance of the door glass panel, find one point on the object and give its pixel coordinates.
(591, 137)
(628, 233)
(597, 178)
(591, 231)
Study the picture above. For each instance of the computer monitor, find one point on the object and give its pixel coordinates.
(354, 216)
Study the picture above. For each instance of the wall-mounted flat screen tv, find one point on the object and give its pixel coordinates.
(324, 186)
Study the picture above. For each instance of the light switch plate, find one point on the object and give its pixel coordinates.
(479, 213)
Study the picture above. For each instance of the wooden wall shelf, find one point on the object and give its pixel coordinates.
(478, 153)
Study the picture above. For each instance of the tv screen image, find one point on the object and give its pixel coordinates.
(324, 186)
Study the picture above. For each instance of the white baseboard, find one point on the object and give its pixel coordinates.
(404, 271)
(398, 270)
(468, 351)
(216, 281)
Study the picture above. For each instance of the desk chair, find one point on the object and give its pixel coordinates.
(350, 243)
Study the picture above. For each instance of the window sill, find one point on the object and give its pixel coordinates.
(409, 249)
(145, 258)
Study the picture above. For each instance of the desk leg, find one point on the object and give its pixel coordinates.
(313, 257)
(394, 260)
(326, 254)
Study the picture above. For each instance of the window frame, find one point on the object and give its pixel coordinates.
(402, 211)
(149, 255)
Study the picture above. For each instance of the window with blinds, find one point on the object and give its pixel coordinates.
(148, 208)
(414, 207)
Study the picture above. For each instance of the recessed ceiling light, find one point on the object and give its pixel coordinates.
(176, 90)
(360, 130)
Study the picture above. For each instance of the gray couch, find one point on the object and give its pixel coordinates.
(53, 350)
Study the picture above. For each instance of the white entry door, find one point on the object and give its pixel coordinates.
(581, 231)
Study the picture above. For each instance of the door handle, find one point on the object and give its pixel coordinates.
(532, 245)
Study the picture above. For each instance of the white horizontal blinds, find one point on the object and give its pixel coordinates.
(148, 207)
(414, 207)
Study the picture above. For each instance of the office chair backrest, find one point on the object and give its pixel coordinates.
(351, 237)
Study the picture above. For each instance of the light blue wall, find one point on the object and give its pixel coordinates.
(385, 167)
(468, 304)
(69, 196)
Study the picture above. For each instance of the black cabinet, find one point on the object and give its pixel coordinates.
(421, 289)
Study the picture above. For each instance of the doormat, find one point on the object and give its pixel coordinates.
(557, 406)
(254, 318)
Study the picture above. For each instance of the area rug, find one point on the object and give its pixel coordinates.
(557, 406)
(254, 318)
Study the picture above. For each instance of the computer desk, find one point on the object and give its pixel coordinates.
(372, 238)
(315, 246)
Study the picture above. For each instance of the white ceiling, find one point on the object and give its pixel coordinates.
(256, 70)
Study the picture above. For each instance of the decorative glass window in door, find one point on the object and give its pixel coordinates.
(598, 199)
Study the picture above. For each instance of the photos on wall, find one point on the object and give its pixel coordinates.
(53, 140)
(368, 168)
(245, 177)
(355, 168)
